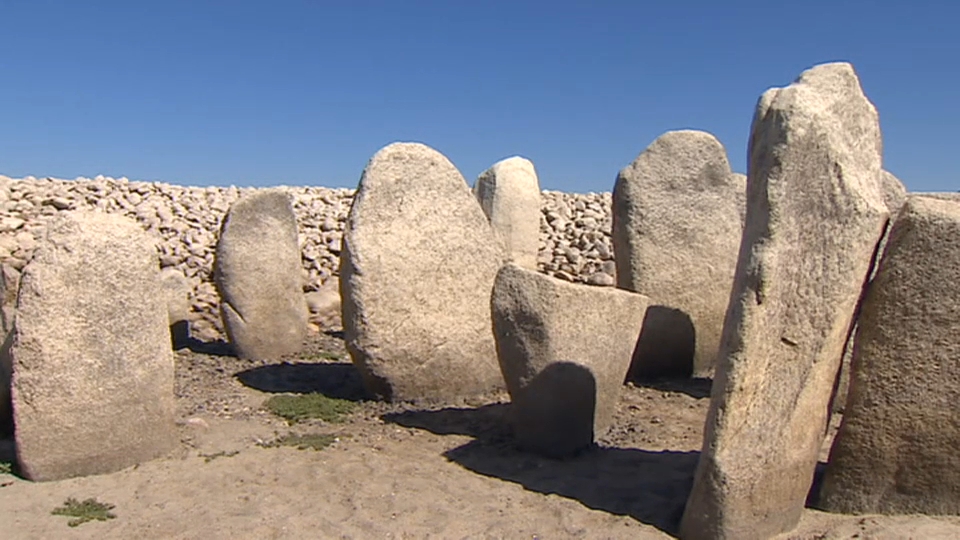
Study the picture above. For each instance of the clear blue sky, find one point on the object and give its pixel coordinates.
(298, 92)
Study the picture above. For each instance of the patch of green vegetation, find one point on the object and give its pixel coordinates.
(306, 406)
(88, 510)
(207, 458)
(6, 467)
(312, 441)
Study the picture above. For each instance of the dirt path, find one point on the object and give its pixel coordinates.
(396, 471)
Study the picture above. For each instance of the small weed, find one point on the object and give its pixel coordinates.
(207, 458)
(313, 441)
(306, 406)
(6, 467)
(85, 511)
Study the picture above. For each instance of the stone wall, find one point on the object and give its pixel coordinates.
(574, 229)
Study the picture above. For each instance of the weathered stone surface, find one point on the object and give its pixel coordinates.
(92, 365)
(416, 273)
(564, 350)
(324, 304)
(9, 284)
(677, 222)
(894, 193)
(509, 194)
(815, 213)
(943, 196)
(258, 277)
(177, 291)
(895, 452)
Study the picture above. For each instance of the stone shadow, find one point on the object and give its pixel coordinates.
(339, 380)
(666, 346)
(212, 348)
(649, 486)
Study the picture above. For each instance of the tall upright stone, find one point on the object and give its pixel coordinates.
(92, 364)
(896, 451)
(257, 273)
(417, 268)
(678, 215)
(509, 194)
(815, 214)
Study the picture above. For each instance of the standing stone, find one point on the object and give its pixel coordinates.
(416, 273)
(815, 213)
(677, 222)
(509, 194)
(324, 304)
(258, 277)
(92, 364)
(177, 291)
(895, 452)
(564, 350)
(894, 194)
(9, 284)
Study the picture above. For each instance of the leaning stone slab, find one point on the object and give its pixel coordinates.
(564, 350)
(416, 271)
(815, 213)
(677, 221)
(92, 364)
(895, 452)
(894, 194)
(509, 194)
(258, 277)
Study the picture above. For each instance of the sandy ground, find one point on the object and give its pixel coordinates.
(397, 470)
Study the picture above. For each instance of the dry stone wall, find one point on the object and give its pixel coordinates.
(574, 230)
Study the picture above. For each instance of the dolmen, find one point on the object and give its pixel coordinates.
(257, 273)
(814, 217)
(92, 367)
(417, 267)
(678, 214)
(564, 350)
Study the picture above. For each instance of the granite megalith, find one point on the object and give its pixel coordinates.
(509, 194)
(894, 194)
(895, 452)
(678, 215)
(258, 275)
(564, 350)
(93, 370)
(815, 214)
(417, 266)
